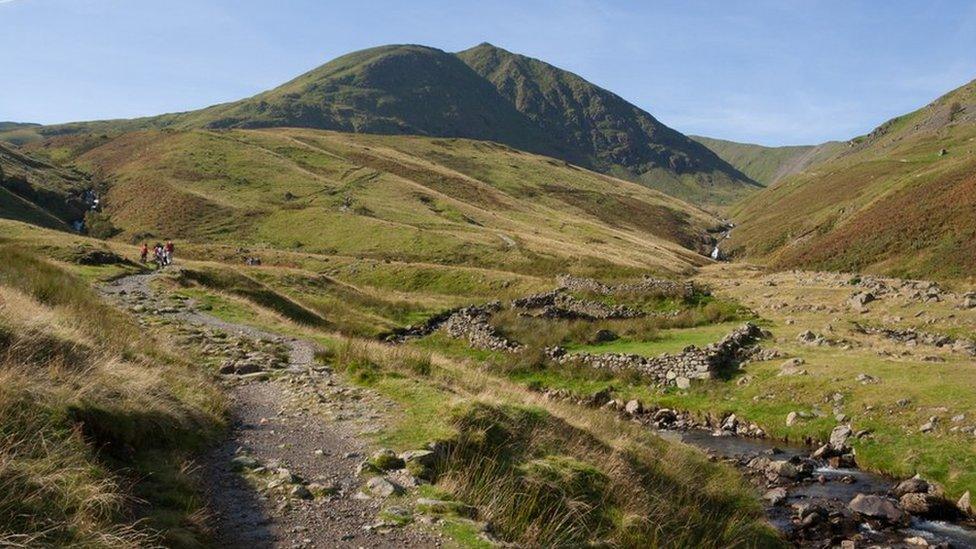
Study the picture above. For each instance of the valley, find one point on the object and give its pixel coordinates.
(432, 299)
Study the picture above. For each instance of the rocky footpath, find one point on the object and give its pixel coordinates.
(674, 369)
(288, 472)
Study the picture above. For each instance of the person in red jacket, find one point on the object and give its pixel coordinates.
(169, 251)
(144, 252)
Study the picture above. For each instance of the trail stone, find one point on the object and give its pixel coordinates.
(381, 487)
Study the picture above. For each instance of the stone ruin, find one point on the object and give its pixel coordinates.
(644, 285)
(559, 304)
(473, 323)
(674, 369)
(910, 336)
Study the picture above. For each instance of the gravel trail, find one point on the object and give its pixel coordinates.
(303, 420)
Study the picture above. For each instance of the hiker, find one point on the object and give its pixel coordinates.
(169, 251)
(143, 252)
(158, 255)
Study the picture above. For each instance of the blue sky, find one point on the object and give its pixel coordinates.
(772, 72)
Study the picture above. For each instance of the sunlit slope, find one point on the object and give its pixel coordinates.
(446, 201)
(768, 165)
(483, 93)
(901, 201)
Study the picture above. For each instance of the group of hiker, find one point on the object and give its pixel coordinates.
(162, 253)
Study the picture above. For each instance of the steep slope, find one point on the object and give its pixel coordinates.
(484, 93)
(767, 165)
(37, 192)
(603, 131)
(901, 200)
(445, 201)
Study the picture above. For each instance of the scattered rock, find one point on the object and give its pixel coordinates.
(838, 438)
(634, 407)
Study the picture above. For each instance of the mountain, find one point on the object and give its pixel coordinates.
(767, 165)
(403, 198)
(899, 200)
(38, 192)
(483, 93)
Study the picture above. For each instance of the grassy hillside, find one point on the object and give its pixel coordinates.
(901, 201)
(38, 192)
(484, 93)
(95, 415)
(411, 199)
(768, 165)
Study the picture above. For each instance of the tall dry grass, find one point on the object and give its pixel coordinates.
(90, 406)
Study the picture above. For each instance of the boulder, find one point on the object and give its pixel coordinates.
(839, 436)
(682, 382)
(792, 418)
(914, 485)
(877, 507)
(784, 469)
(634, 407)
(386, 459)
(929, 506)
(860, 299)
(381, 487)
(775, 496)
(603, 336)
(965, 504)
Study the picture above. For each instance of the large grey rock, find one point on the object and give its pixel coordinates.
(381, 487)
(839, 437)
(914, 485)
(965, 504)
(877, 507)
(784, 469)
(634, 407)
(775, 496)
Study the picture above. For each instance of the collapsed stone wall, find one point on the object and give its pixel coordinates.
(678, 369)
(558, 304)
(644, 285)
(910, 336)
(473, 323)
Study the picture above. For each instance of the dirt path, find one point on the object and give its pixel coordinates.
(301, 427)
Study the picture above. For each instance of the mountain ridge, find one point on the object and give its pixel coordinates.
(484, 93)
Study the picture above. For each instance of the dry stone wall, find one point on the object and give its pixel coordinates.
(558, 304)
(644, 285)
(677, 369)
(473, 324)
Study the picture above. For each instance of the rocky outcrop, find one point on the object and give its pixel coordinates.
(676, 369)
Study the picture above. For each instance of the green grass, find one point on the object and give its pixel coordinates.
(666, 341)
(93, 414)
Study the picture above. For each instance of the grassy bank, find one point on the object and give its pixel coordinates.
(98, 421)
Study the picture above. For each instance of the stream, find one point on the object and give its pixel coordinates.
(829, 487)
(717, 254)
